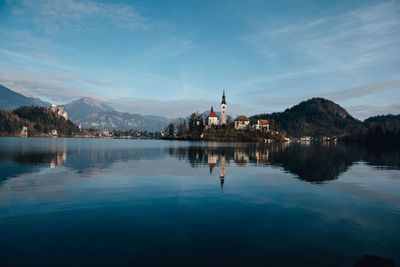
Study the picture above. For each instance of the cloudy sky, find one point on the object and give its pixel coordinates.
(174, 57)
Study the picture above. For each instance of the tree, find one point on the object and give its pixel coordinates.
(171, 129)
(192, 121)
(182, 127)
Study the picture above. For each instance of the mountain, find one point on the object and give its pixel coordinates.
(10, 100)
(92, 113)
(315, 117)
(85, 106)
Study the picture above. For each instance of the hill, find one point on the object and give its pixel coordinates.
(38, 120)
(394, 120)
(10, 100)
(315, 117)
(11, 124)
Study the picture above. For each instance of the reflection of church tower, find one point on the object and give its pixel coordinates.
(222, 169)
(223, 110)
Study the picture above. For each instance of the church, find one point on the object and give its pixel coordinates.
(212, 118)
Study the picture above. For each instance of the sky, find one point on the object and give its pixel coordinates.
(172, 58)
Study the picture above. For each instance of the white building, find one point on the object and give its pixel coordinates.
(262, 125)
(24, 131)
(54, 132)
(241, 122)
(212, 119)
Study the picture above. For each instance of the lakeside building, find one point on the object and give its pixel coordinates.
(54, 133)
(212, 119)
(262, 125)
(24, 131)
(241, 122)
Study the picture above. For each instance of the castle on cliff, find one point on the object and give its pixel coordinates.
(59, 110)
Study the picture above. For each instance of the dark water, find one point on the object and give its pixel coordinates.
(124, 202)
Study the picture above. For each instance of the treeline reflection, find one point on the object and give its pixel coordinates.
(314, 163)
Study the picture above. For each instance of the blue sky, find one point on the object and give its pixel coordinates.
(174, 57)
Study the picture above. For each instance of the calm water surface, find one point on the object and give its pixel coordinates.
(125, 202)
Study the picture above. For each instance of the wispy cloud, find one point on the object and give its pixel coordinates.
(366, 111)
(51, 86)
(166, 49)
(366, 37)
(57, 15)
(364, 90)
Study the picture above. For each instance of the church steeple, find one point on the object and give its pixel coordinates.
(223, 109)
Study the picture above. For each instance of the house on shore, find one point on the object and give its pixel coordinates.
(241, 122)
(262, 126)
(24, 131)
(212, 119)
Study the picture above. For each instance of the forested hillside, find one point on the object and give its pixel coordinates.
(38, 120)
(314, 117)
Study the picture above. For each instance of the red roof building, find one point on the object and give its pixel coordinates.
(213, 114)
(212, 119)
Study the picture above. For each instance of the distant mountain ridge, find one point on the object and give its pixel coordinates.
(314, 117)
(85, 106)
(10, 100)
(88, 112)
(92, 113)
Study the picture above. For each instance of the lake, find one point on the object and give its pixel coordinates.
(150, 202)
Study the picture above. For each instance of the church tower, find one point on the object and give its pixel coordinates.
(223, 110)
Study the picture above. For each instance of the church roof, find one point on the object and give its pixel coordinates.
(241, 118)
(213, 114)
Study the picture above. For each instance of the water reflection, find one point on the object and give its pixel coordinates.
(54, 159)
(310, 162)
(161, 200)
(314, 163)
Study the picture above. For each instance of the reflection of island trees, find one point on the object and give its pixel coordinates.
(314, 162)
(383, 157)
